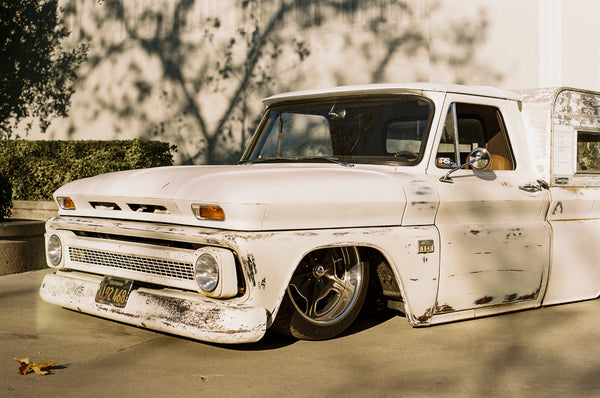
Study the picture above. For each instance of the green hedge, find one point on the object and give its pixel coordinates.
(38, 168)
(5, 197)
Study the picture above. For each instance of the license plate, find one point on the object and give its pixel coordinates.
(114, 291)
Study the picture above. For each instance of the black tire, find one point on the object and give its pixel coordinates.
(325, 294)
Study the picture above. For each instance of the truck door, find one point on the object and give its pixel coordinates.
(494, 240)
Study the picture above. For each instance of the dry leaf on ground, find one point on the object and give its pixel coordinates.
(25, 366)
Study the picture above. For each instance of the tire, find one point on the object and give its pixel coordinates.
(325, 294)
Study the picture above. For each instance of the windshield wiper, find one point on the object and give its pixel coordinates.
(331, 159)
(267, 160)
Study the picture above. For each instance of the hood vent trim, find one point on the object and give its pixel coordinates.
(146, 208)
(105, 206)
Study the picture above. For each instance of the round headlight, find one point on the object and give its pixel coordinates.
(54, 250)
(207, 272)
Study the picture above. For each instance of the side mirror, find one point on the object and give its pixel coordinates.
(479, 159)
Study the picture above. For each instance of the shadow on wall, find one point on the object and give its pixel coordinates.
(193, 74)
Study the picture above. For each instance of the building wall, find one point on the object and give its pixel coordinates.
(578, 43)
(157, 71)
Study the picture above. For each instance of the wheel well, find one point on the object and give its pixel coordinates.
(384, 291)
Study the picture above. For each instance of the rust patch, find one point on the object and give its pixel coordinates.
(484, 300)
(444, 308)
(514, 233)
(528, 296)
(515, 297)
(510, 297)
(474, 232)
(576, 190)
(338, 234)
(305, 234)
(425, 317)
(422, 187)
(262, 284)
(180, 311)
(251, 267)
(114, 310)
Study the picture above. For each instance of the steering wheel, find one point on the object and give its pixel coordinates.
(406, 154)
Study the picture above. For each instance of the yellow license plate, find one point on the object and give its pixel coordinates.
(114, 291)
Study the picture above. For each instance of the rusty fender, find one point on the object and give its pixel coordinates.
(192, 316)
(270, 259)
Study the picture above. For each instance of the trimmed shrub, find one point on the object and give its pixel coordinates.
(5, 197)
(38, 168)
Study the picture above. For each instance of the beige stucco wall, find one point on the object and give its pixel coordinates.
(125, 90)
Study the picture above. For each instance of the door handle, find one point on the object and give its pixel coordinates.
(530, 188)
(535, 187)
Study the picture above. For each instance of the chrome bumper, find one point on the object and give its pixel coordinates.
(163, 310)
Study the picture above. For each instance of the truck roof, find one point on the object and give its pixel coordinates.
(387, 89)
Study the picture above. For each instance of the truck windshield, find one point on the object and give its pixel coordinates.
(352, 131)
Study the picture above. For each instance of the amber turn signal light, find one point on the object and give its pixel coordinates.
(65, 203)
(208, 212)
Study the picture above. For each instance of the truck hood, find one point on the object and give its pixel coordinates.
(253, 197)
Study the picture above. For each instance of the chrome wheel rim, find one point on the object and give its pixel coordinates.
(326, 284)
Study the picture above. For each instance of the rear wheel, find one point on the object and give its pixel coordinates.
(325, 294)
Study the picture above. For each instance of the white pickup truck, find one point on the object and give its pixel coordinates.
(445, 202)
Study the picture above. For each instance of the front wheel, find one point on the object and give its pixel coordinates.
(325, 294)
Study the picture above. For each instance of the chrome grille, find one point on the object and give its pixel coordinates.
(147, 265)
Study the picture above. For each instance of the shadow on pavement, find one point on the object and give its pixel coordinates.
(367, 319)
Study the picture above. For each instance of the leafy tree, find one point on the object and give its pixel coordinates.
(36, 74)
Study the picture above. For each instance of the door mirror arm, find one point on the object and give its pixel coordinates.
(479, 159)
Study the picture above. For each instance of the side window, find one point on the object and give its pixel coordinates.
(588, 152)
(479, 126)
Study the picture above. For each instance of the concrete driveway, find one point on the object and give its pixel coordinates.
(552, 351)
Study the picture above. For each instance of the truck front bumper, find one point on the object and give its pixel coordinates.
(165, 310)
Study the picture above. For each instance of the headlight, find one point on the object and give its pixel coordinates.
(215, 272)
(54, 250)
(207, 272)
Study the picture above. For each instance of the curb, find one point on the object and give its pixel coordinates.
(21, 246)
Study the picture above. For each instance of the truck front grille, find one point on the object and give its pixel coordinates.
(146, 265)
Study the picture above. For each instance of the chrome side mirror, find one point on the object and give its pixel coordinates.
(479, 159)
